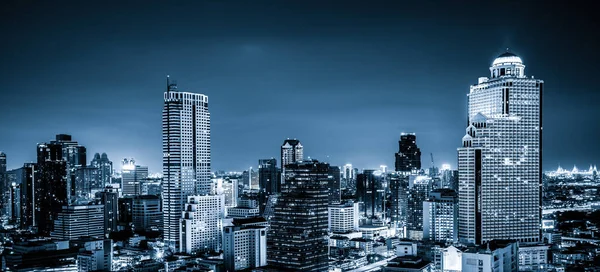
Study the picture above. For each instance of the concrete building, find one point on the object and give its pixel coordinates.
(146, 213)
(186, 155)
(202, 224)
(343, 218)
(244, 247)
(110, 199)
(95, 256)
(500, 161)
(494, 256)
(78, 221)
(242, 212)
(440, 216)
(533, 257)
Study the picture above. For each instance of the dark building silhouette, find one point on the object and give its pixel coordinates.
(110, 199)
(419, 188)
(408, 157)
(297, 240)
(269, 180)
(398, 199)
(50, 187)
(104, 170)
(371, 192)
(335, 185)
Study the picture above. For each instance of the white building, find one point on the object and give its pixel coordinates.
(132, 177)
(96, 256)
(186, 155)
(494, 256)
(440, 212)
(500, 160)
(533, 257)
(448, 259)
(244, 247)
(343, 218)
(242, 212)
(291, 152)
(202, 223)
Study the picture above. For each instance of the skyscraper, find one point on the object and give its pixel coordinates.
(3, 184)
(418, 190)
(50, 188)
(298, 239)
(440, 214)
(132, 177)
(335, 186)
(105, 170)
(269, 176)
(291, 151)
(78, 221)
(408, 157)
(370, 190)
(500, 160)
(186, 155)
(110, 199)
(202, 224)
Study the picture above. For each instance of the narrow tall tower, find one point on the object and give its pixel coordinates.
(186, 154)
(500, 161)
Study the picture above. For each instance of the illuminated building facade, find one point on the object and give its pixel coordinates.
(186, 155)
(500, 160)
(202, 224)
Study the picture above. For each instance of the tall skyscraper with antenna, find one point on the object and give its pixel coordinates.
(500, 161)
(186, 155)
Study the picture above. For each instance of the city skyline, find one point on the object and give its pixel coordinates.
(342, 64)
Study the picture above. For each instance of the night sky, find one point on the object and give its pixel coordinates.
(344, 77)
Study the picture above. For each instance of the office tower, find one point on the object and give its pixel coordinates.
(343, 218)
(370, 190)
(25, 178)
(50, 187)
(408, 157)
(3, 183)
(229, 188)
(418, 190)
(146, 213)
(269, 176)
(86, 179)
(14, 201)
(110, 200)
(244, 247)
(500, 160)
(440, 216)
(492, 256)
(291, 152)
(95, 255)
(105, 170)
(202, 224)
(151, 186)
(75, 156)
(335, 186)
(348, 177)
(186, 155)
(132, 177)
(298, 235)
(125, 214)
(398, 200)
(78, 221)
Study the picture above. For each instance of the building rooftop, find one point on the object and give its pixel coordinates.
(507, 57)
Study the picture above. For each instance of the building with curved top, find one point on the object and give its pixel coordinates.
(500, 161)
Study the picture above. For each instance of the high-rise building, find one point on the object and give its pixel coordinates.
(244, 247)
(298, 237)
(269, 176)
(86, 179)
(418, 190)
(75, 156)
(408, 157)
(110, 199)
(440, 216)
(370, 191)
(50, 189)
(78, 221)
(335, 186)
(146, 213)
(104, 172)
(343, 218)
(291, 152)
(3, 184)
(132, 177)
(25, 177)
(500, 160)
(202, 224)
(398, 200)
(348, 177)
(186, 155)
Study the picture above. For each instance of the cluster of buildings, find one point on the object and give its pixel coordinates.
(299, 214)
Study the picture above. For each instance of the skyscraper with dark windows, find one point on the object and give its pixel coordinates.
(186, 155)
(269, 176)
(408, 157)
(418, 191)
(104, 170)
(398, 185)
(297, 240)
(3, 184)
(26, 176)
(371, 192)
(110, 199)
(335, 186)
(132, 177)
(500, 161)
(51, 190)
(291, 152)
